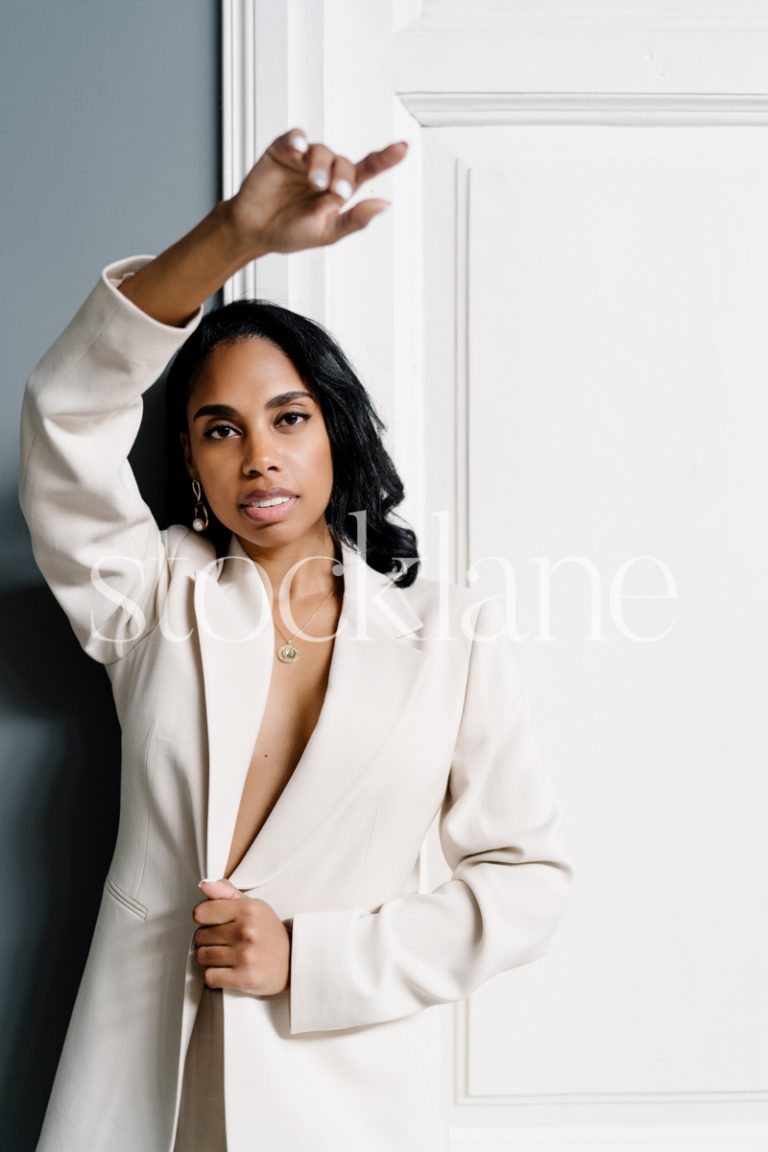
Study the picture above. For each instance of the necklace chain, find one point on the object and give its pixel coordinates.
(288, 652)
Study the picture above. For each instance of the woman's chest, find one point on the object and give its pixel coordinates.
(257, 766)
(232, 711)
(294, 702)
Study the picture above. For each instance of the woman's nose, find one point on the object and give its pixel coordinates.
(259, 455)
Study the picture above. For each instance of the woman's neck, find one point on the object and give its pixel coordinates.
(315, 554)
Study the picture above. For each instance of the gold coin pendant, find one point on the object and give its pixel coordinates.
(287, 653)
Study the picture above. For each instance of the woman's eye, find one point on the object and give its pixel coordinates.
(301, 415)
(224, 429)
(228, 431)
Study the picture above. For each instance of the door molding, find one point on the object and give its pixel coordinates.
(465, 109)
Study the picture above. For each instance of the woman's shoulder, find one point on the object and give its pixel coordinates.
(440, 602)
(182, 542)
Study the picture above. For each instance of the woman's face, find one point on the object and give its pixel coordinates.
(253, 425)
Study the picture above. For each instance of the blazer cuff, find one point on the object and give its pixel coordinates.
(113, 275)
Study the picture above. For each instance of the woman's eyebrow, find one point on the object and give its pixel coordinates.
(287, 397)
(231, 413)
(216, 410)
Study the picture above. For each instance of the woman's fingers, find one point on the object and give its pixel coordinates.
(376, 162)
(222, 978)
(219, 889)
(304, 206)
(352, 175)
(318, 162)
(357, 217)
(216, 956)
(215, 911)
(328, 171)
(216, 934)
(291, 147)
(342, 178)
(297, 141)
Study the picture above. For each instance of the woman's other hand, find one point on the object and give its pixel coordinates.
(293, 197)
(241, 943)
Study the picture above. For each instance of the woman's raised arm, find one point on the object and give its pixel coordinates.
(293, 198)
(94, 538)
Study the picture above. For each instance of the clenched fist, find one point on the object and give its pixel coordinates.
(241, 943)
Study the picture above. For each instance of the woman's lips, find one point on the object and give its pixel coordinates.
(269, 515)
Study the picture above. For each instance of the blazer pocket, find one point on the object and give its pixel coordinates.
(134, 906)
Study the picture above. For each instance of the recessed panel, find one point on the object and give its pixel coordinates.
(616, 306)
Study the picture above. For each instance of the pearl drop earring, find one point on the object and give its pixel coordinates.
(200, 522)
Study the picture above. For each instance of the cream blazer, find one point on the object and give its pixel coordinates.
(425, 715)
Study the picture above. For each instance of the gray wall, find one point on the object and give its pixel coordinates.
(110, 147)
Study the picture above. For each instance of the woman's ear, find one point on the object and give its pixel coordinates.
(188, 461)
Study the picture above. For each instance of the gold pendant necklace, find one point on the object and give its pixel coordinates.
(288, 652)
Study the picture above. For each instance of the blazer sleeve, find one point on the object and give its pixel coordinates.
(501, 832)
(93, 536)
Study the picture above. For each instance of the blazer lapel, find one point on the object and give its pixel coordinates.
(235, 630)
(376, 662)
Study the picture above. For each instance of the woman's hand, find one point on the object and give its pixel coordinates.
(293, 196)
(241, 942)
(278, 209)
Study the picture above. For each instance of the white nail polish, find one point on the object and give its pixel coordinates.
(319, 178)
(299, 143)
(343, 188)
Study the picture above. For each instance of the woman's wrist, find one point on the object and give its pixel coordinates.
(172, 287)
(241, 247)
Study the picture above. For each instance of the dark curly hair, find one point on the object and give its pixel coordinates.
(364, 476)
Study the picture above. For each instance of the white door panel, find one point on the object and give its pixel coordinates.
(562, 319)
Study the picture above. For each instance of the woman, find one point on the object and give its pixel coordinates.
(297, 706)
